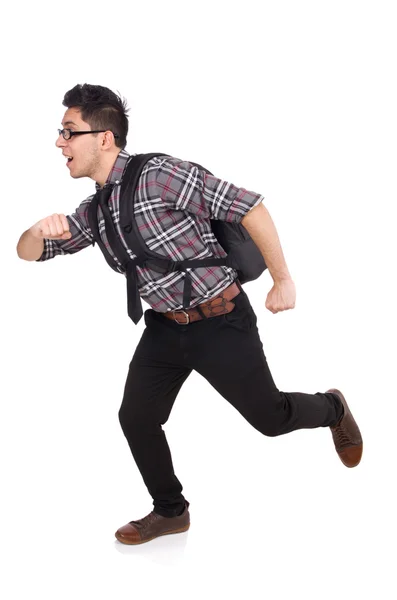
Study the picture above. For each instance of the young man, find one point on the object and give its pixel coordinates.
(217, 336)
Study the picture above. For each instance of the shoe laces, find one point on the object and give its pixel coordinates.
(146, 521)
(341, 437)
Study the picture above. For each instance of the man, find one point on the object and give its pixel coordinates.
(216, 336)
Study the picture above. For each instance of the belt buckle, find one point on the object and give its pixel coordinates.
(186, 315)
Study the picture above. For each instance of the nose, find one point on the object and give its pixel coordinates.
(60, 141)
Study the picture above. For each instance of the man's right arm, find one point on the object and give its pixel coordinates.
(31, 242)
(56, 235)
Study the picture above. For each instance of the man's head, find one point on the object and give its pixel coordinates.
(97, 109)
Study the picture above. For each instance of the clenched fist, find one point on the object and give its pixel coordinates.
(55, 227)
(282, 296)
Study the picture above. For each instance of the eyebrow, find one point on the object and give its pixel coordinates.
(69, 123)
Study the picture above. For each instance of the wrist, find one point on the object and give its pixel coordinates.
(281, 278)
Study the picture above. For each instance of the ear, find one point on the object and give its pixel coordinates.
(107, 140)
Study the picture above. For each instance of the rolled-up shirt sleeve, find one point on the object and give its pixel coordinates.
(183, 186)
(81, 235)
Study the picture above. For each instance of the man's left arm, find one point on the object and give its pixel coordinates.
(182, 186)
(261, 228)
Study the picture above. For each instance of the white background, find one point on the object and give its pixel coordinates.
(297, 101)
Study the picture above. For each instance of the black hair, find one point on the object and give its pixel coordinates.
(101, 108)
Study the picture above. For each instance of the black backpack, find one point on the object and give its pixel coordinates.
(242, 253)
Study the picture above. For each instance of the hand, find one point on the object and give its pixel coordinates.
(282, 296)
(55, 227)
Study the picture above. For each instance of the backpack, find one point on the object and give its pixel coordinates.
(242, 253)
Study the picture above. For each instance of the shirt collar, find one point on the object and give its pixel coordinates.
(117, 170)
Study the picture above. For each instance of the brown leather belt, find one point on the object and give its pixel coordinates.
(220, 305)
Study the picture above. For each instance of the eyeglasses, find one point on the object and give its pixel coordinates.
(68, 133)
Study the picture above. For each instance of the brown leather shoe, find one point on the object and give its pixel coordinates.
(346, 434)
(152, 526)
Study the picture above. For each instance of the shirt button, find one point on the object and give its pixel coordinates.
(117, 182)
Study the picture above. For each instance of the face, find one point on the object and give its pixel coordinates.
(83, 150)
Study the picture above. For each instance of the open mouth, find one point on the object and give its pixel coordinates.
(70, 158)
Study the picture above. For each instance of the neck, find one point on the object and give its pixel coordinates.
(101, 175)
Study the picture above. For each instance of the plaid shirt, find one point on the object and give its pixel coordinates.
(174, 201)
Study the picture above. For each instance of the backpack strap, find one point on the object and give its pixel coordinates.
(129, 183)
(145, 256)
(128, 225)
(92, 215)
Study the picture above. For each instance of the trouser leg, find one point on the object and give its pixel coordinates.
(235, 365)
(152, 385)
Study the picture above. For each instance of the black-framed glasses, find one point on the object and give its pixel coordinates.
(68, 133)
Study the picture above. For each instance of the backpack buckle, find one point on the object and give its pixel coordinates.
(186, 315)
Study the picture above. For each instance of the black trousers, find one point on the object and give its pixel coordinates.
(227, 351)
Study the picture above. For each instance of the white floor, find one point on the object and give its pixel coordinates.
(293, 522)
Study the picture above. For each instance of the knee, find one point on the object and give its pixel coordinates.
(267, 415)
(137, 420)
(267, 424)
(270, 420)
(130, 420)
(270, 429)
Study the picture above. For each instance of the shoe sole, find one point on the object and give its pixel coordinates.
(124, 541)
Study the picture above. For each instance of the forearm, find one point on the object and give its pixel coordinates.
(30, 247)
(260, 226)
